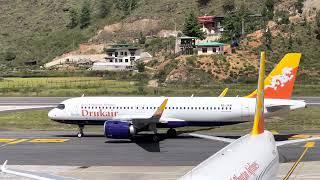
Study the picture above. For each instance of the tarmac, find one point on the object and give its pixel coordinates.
(95, 157)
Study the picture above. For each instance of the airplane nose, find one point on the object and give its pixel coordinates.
(52, 114)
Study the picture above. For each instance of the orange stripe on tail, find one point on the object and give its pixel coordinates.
(258, 124)
(279, 84)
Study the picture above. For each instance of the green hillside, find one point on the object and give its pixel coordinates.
(37, 30)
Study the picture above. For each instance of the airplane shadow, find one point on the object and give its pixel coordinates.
(85, 136)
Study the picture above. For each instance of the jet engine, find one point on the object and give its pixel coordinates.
(119, 129)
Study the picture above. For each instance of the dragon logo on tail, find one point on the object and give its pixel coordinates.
(280, 80)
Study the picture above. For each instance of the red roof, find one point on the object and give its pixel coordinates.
(205, 19)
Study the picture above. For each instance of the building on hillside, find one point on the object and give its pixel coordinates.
(119, 57)
(208, 48)
(185, 45)
(211, 25)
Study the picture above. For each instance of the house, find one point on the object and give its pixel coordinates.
(185, 45)
(119, 57)
(208, 48)
(211, 25)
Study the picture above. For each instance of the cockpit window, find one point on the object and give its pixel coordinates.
(61, 106)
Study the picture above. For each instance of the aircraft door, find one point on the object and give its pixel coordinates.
(245, 111)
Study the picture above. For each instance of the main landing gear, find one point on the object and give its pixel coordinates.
(80, 133)
(171, 133)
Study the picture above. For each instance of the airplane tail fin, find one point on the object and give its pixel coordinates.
(279, 83)
(224, 92)
(258, 124)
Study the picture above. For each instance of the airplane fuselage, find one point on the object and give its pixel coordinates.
(249, 157)
(180, 111)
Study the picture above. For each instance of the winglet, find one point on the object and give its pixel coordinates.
(158, 113)
(3, 167)
(224, 92)
(258, 124)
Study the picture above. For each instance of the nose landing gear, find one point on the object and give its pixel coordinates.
(80, 133)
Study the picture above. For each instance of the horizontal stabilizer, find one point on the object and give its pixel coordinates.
(215, 138)
(282, 143)
(276, 108)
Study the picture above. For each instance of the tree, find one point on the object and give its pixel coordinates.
(192, 27)
(142, 38)
(202, 3)
(268, 39)
(103, 8)
(141, 66)
(9, 55)
(73, 19)
(127, 5)
(269, 8)
(299, 5)
(232, 26)
(85, 15)
(228, 6)
(317, 28)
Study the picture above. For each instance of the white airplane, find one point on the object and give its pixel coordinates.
(253, 156)
(124, 117)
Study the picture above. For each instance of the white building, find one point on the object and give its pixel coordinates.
(208, 48)
(119, 57)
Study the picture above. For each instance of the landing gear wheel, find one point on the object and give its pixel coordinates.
(80, 133)
(171, 132)
(155, 138)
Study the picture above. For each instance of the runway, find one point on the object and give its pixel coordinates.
(53, 101)
(95, 157)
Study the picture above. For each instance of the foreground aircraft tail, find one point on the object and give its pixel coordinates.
(279, 83)
(258, 123)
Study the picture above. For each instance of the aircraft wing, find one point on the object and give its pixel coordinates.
(29, 175)
(282, 143)
(215, 138)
